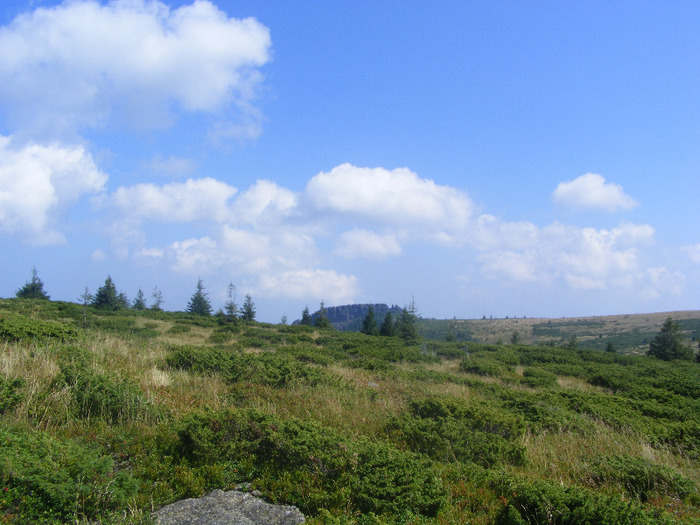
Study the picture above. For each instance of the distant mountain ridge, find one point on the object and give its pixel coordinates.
(349, 317)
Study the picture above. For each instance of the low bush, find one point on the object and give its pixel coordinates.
(98, 396)
(10, 394)
(550, 503)
(45, 480)
(312, 466)
(639, 477)
(15, 327)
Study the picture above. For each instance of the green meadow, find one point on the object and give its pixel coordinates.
(106, 416)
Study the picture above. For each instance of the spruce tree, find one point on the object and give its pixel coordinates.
(248, 312)
(668, 344)
(369, 323)
(106, 297)
(388, 327)
(322, 320)
(231, 308)
(407, 325)
(199, 302)
(139, 301)
(306, 317)
(33, 289)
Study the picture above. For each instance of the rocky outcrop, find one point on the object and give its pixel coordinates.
(227, 508)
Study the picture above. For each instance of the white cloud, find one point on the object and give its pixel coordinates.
(327, 285)
(83, 62)
(591, 191)
(397, 198)
(693, 252)
(368, 244)
(580, 258)
(265, 203)
(37, 182)
(204, 199)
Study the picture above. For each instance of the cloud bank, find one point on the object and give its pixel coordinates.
(84, 64)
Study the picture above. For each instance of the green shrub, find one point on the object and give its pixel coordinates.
(10, 394)
(97, 396)
(179, 329)
(312, 466)
(639, 477)
(547, 502)
(483, 366)
(49, 481)
(448, 429)
(14, 327)
(539, 378)
(268, 368)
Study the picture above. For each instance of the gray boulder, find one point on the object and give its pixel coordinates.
(227, 508)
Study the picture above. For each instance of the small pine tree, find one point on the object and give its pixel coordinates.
(231, 308)
(610, 348)
(123, 300)
(407, 325)
(388, 327)
(668, 344)
(139, 301)
(515, 337)
(106, 297)
(86, 299)
(157, 296)
(33, 289)
(248, 312)
(369, 323)
(322, 320)
(199, 302)
(306, 317)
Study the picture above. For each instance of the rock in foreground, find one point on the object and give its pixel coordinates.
(230, 508)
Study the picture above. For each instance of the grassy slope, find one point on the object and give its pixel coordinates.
(630, 334)
(138, 410)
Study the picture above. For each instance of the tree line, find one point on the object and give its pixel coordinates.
(667, 345)
(108, 298)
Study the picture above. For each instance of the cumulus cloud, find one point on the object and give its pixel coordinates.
(81, 62)
(329, 285)
(580, 258)
(368, 244)
(591, 191)
(269, 233)
(265, 203)
(37, 182)
(397, 198)
(204, 199)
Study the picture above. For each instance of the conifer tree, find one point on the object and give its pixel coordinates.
(139, 301)
(322, 320)
(306, 317)
(106, 297)
(388, 327)
(199, 302)
(231, 308)
(33, 289)
(407, 325)
(369, 323)
(248, 312)
(668, 344)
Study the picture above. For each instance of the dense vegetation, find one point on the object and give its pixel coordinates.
(108, 414)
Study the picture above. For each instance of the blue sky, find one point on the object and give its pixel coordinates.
(484, 158)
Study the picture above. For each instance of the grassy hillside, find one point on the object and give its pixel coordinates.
(629, 334)
(110, 416)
